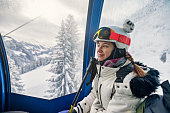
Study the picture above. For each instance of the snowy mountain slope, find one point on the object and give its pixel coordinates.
(152, 6)
(150, 39)
(46, 72)
(24, 53)
(30, 67)
(36, 82)
(24, 57)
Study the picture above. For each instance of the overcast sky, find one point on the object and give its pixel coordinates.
(116, 11)
(14, 13)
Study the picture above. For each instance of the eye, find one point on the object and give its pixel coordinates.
(106, 46)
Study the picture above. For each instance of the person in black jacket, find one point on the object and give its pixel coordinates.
(157, 103)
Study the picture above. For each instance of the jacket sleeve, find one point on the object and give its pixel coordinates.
(121, 102)
(166, 94)
(144, 86)
(84, 106)
(140, 87)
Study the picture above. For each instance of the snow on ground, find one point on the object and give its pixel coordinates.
(35, 81)
(150, 40)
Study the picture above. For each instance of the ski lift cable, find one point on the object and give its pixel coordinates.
(21, 26)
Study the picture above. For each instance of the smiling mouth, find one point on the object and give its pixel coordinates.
(100, 55)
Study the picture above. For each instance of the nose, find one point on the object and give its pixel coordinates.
(99, 49)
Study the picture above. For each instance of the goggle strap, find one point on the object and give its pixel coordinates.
(115, 36)
(97, 34)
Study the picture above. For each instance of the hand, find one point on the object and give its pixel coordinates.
(65, 111)
(74, 111)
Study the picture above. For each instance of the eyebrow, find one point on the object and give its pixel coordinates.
(105, 43)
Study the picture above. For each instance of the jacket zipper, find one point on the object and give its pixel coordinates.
(100, 87)
(100, 95)
(100, 71)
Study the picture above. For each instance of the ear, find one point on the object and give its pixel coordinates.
(118, 53)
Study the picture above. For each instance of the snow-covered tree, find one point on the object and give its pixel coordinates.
(17, 85)
(73, 35)
(63, 63)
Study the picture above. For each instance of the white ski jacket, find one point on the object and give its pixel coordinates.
(108, 96)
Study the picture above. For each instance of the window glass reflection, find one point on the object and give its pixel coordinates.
(150, 38)
(44, 44)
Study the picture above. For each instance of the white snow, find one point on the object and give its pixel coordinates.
(19, 53)
(7, 39)
(150, 38)
(35, 81)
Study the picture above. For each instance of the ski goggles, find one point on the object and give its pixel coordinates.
(107, 34)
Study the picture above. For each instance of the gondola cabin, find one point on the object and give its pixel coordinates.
(46, 46)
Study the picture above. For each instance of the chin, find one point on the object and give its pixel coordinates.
(99, 59)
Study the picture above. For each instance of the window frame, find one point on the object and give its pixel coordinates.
(22, 102)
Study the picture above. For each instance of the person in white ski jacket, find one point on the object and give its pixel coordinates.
(119, 84)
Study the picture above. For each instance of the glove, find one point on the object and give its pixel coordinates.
(65, 111)
(74, 111)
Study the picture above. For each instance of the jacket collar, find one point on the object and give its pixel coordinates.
(106, 71)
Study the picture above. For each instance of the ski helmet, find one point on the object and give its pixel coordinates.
(115, 34)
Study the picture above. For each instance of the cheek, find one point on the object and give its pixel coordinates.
(107, 53)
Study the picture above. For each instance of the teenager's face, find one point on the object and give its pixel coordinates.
(104, 49)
